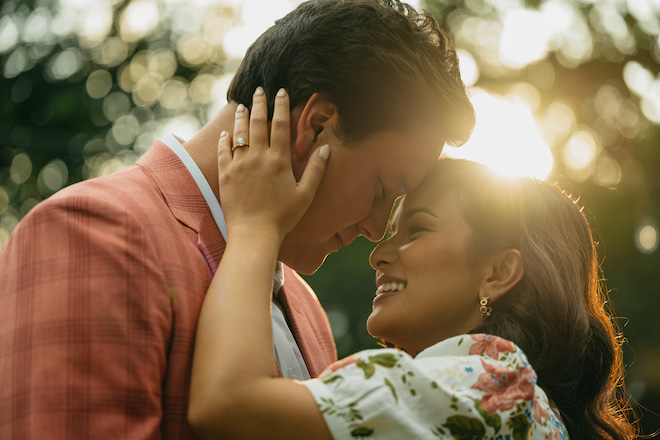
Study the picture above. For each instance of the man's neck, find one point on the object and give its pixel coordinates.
(203, 147)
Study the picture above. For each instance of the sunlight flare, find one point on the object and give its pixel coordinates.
(506, 138)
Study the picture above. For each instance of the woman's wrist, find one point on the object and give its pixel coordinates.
(266, 239)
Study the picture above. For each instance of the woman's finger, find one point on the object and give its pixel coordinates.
(224, 151)
(280, 131)
(241, 139)
(311, 178)
(259, 120)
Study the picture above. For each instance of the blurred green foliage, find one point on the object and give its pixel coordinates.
(86, 87)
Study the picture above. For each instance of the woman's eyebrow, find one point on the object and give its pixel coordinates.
(409, 213)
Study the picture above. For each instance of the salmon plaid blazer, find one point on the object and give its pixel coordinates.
(100, 290)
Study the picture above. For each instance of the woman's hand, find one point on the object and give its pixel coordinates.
(235, 391)
(258, 190)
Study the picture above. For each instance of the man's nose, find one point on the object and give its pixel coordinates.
(375, 224)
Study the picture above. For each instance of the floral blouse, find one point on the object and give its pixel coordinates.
(469, 387)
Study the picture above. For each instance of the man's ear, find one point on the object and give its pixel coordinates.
(316, 122)
(505, 271)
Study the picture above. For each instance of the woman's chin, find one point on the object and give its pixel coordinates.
(377, 328)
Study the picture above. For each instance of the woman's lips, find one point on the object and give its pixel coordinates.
(388, 289)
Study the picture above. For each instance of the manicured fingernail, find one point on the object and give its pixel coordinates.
(223, 134)
(240, 108)
(324, 151)
(259, 91)
(281, 93)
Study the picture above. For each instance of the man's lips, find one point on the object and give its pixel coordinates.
(345, 241)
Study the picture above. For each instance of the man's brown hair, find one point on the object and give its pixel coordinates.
(380, 62)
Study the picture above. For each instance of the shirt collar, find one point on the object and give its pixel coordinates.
(203, 185)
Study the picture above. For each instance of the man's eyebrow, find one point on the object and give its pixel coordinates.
(409, 213)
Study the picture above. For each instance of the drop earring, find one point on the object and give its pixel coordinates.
(484, 309)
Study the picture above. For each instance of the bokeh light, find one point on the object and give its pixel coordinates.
(21, 168)
(646, 237)
(580, 153)
(525, 37)
(52, 177)
(63, 65)
(99, 83)
(8, 34)
(138, 20)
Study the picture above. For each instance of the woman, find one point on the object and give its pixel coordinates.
(489, 288)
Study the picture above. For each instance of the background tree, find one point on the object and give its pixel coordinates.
(87, 86)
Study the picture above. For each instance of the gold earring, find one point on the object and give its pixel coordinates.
(484, 309)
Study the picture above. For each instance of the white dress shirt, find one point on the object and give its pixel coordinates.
(287, 353)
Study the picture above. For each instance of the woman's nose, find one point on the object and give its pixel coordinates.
(382, 254)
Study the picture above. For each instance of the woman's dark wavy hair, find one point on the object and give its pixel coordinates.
(558, 314)
(380, 62)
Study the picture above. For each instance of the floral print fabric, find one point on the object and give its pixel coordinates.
(469, 387)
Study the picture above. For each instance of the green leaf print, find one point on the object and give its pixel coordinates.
(464, 428)
(353, 413)
(362, 431)
(391, 387)
(331, 379)
(520, 426)
(492, 420)
(438, 431)
(387, 360)
(367, 367)
(327, 406)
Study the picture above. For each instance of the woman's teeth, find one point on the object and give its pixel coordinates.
(390, 287)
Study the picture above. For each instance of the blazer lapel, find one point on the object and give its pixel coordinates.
(184, 199)
(309, 323)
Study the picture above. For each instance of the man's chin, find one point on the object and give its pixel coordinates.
(311, 268)
(305, 264)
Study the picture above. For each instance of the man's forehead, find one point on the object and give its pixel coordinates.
(417, 161)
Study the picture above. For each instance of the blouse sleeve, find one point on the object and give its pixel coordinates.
(386, 394)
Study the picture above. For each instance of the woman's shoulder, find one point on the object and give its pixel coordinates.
(474, 353)
(493, 386)
(480, 383)
(479, 344)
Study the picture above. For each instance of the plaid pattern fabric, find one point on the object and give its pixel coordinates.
(100, 290)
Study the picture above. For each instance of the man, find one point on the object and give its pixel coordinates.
(101, 285)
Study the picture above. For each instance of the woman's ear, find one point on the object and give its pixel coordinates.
(317, 120)
(506, 271)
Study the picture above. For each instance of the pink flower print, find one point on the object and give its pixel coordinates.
(341, 364)
(540, 415)
(490, 345)
(503, 386)
(557, 435)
